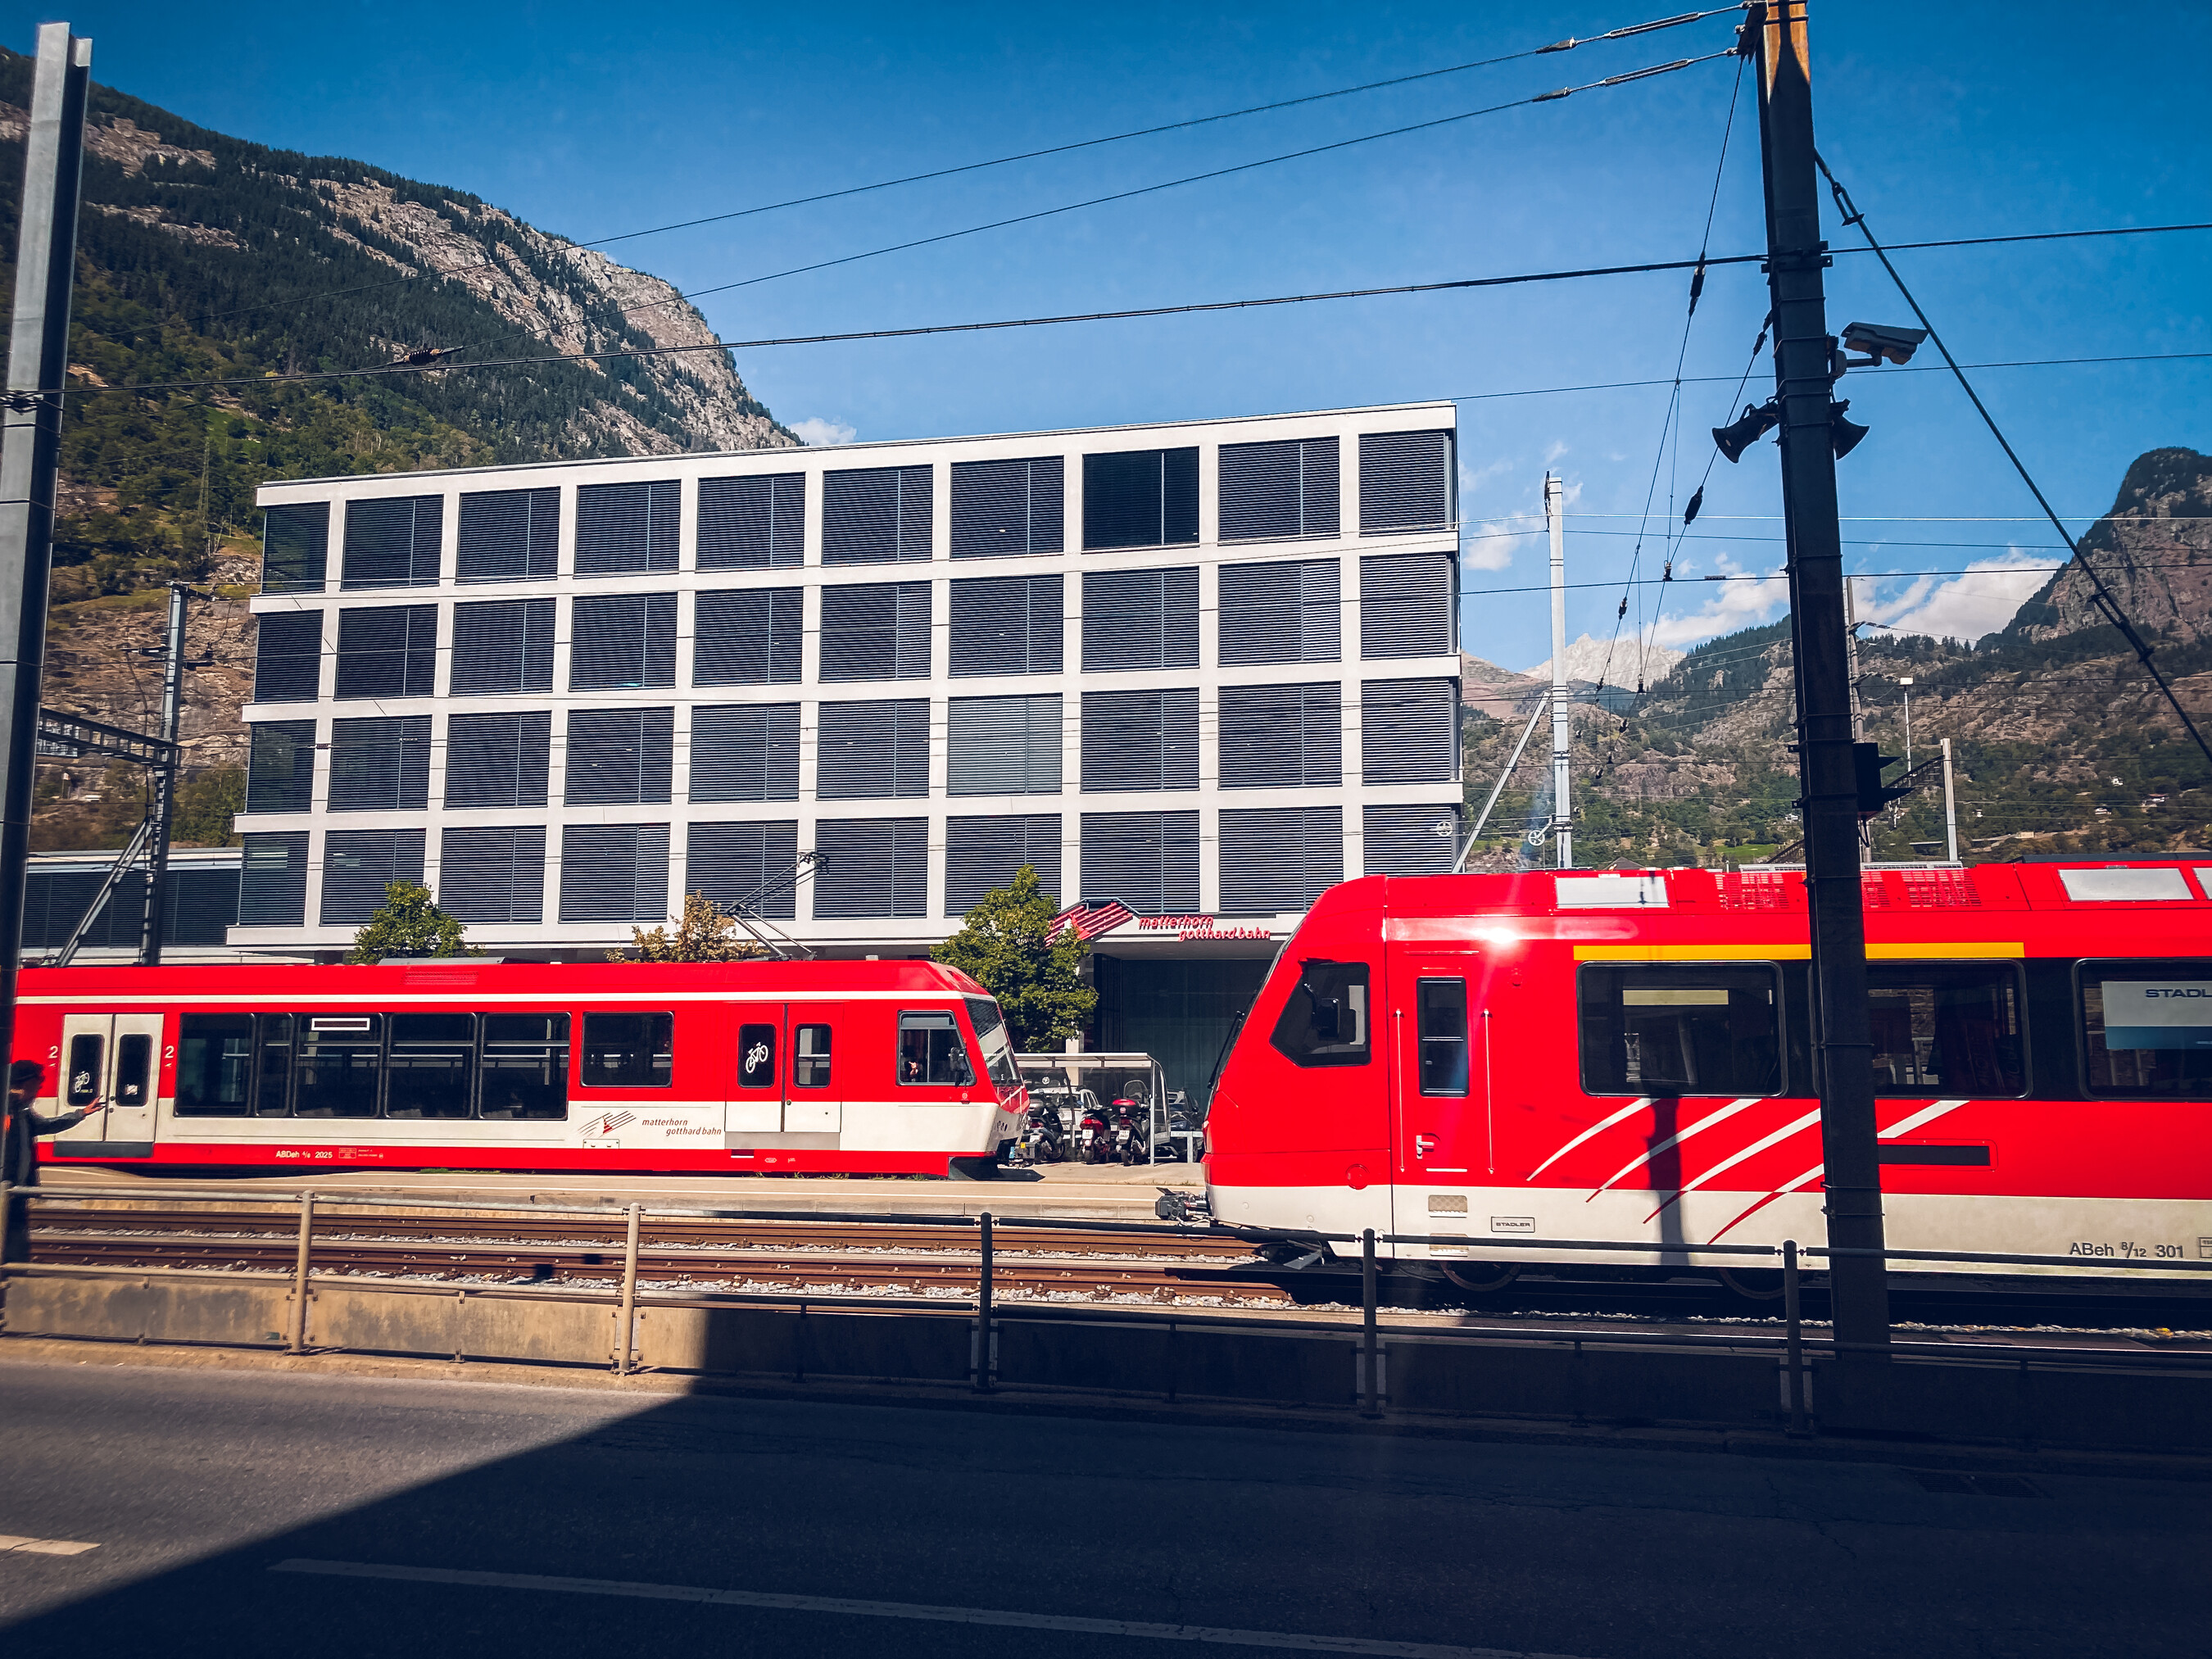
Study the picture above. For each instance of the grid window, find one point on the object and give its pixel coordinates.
(871, 867)
(1409, 605)
(1140, 619)
(272, 881)
(1281, 489)
(619, 756)
(295, 548)
(493, 873)
(280, 768)
(1287, 612)
(509, 536)
(983, 853)
(1003, 746)
(1280, 859)
(876, 515)
(1139, 740)
(1409, 731)
(749, 637)
(390, 652)
(1281, 737)
(872, 750)
(732, 863)
(1006, 625)
(624, 641)
(614, 872)
(756, 523)
(358, 865)
(745, 752)
(1406, 481)
(1148, 861)
(288, 657)
(627, 529)
(381, 765)
(394, 543)
(876, 632)
(1002, 509)
(1412, 840)
(502, 646)
(498, 760)
(1140, 498)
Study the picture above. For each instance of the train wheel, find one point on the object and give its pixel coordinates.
(1754, 1285)
(1485, 1281)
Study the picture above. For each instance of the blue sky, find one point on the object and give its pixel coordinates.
(1967, 120)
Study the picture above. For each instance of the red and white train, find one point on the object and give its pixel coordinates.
(1623, 1058)
(784, 1067)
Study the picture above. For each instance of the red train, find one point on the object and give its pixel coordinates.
(1623, 1057)
(862, 1067)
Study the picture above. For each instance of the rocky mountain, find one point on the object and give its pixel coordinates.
(1611, 662)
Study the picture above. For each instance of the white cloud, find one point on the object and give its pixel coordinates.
(1556, 448)
(1964, 607)
(818, 432)
(1488, 546)
(1741, 602)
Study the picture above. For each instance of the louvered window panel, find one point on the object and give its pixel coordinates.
(876, 515)
(1140, 619)
(620, 757)
(624, 641)
(498, 760)
(983, 853)
(280, 768)
(749, 637)
(1140, 498)
(1139, 740)
(288, 657)
(1274, 491)
(493, 873)
(381, 765)
(730, 863)
(394, 543)
(509, 536)
(877, 632)
(1409, 605)
(627, 529)
(201, 904)
(1281, 737)
(1006, 625)
(872, 750)
(502, 646)
(748, 751)
(1003, 746)
(1287, 612)
(614, 872)
(389, 652)
(1409, 731)
(752, 524)
(871, 867)
(1413, 840)
(1280, 859)
(358, 865)
(1148, 861)
(272, 881)
(1006, 507)
(1406, 481)
(295, 548)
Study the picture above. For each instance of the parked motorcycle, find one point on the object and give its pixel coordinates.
(1042, 1139)
(1132, 1122)
(1094, 1135)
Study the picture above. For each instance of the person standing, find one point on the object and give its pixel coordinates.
(18, 1150)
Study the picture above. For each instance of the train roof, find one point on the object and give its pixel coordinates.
(578, 981)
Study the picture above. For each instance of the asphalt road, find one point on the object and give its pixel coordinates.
(243, 1514)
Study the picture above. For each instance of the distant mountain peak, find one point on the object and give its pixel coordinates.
(1619, 662)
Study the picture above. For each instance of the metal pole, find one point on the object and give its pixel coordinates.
(625, 1346)
(983, 1366)
(1950, 805)
(1803, 350)
(164, 785)
(1795, 1356)
(1370, 1404)
(1562, 727)
(1498, 788)
(299, 1343)
(30, 443)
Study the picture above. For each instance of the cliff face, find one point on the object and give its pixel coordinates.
(2154, 550)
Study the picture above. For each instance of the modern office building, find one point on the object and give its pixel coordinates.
(1203, 669)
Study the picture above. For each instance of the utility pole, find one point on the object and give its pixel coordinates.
(164, 803)
(1950, 805)
(1805, 363)
(30, 445)
(1562, 727)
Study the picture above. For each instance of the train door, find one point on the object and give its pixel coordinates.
(753, 1102)
(110, 1066)
(814, 1090)
(1441, 1118)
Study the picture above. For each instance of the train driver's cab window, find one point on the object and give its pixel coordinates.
(1664, 1031)
(525, 1067)
(1325, 1022)
(930, 1051)
(998, 1046)
(1945, 1030)
(809, 1057)
(2146, 1028)
(1441, 1017)
(215, 1064)
(628, 1051)
(134, 1070)
(88, 1056)
(755, 1056)
(337, 1067)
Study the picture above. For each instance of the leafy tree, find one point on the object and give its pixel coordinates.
(206, 805)
(409, 925)
(1007, 947)
(703, 934)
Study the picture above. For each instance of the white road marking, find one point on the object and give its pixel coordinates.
(832, 1604)
(41, 1546)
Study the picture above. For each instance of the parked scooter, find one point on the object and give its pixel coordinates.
(1131, 1124)
(1042, 1139)
(1094, 1137)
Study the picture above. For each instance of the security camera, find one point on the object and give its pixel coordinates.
(1882, 343)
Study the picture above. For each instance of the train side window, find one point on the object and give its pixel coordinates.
(272, 1066)
(1441, 1016)
(340, 1056)
(1325, 1022)
(931, 1051)
(809, 1059)
(525, 1067)
(431, 1066)
(87, 1055)
(2146, 1029)
(755, 1056)
(1947, 1029)
(215, 1064)
(134, 1069)
(628, 1051)
(1665, 1031)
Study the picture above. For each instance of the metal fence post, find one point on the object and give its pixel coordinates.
(1370, 1351)
(625, 1346)
(985, 1359)
(299, 1343)
(1794, 1356)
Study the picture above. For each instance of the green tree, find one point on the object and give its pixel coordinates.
(206, 805)
(1007, 947)
(703, 934)
(409, 925)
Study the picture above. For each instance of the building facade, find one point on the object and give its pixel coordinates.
(1203, 669)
